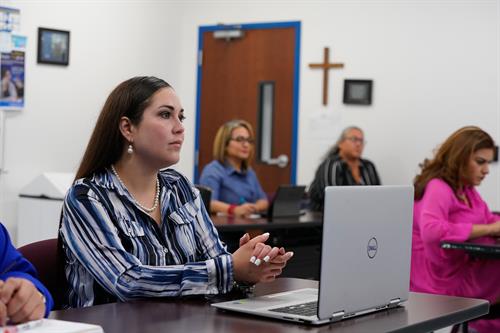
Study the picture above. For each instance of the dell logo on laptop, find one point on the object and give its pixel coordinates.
(372, 247)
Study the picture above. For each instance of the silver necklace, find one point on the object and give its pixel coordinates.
(157, 195)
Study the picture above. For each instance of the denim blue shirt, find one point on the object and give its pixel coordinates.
(13, 264)
(231, 186)
(115, 251)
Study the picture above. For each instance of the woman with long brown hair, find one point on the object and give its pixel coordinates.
(449, 208)
(133, 229)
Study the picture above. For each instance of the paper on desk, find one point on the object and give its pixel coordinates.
(62, 326)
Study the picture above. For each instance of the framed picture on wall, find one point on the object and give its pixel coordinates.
(358, 92)
(53, 46)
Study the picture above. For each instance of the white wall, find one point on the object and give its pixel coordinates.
(110, 41)
(434, 65)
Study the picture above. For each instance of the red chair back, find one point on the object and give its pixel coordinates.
(46, 258)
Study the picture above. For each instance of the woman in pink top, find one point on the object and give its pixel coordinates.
(448, 208)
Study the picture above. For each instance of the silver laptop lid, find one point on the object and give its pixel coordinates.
(365, 262)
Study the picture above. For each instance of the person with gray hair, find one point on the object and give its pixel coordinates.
(343, 165)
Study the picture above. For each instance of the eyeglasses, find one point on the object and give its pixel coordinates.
(354, 139)
(242, 139)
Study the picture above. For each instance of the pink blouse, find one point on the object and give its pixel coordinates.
(440, 216)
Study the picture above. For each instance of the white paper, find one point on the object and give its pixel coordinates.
(324, 126)
(62, 326)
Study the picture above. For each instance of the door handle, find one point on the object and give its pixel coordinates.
(266, 116)
(281, 161)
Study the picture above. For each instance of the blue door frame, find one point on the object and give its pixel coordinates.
(295, 120)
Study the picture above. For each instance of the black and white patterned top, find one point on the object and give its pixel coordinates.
(115, 251)
(334, 171)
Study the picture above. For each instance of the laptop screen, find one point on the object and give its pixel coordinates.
(286, 202)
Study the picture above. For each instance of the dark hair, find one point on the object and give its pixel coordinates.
(129, 99)
(5, 70)
(450, 162)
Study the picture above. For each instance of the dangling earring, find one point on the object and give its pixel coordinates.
(130, 149)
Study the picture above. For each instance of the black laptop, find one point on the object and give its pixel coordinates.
(286, 202)
(475, 249)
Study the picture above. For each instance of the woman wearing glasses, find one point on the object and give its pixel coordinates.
(235, 187)
(343, 165)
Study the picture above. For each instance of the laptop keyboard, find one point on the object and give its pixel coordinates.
(304, 309)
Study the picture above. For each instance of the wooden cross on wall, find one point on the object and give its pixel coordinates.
(326, 65)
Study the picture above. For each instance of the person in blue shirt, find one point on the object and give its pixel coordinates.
(235, 187)
(22, 296)
(132, 228)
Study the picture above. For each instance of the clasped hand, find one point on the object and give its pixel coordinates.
(255, 261)
(20, 301)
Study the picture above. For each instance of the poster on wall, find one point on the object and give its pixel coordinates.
(12, 79)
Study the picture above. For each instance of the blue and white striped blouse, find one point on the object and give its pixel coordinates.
(115, 251)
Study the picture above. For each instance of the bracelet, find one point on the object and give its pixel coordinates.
(243, 287)
(230, 210)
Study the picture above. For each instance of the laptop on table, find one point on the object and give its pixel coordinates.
(286, 202)
(365, 259)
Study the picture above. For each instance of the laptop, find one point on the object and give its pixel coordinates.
(475, 249)
(286, 202)
(365, 259)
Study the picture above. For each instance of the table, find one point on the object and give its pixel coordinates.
(421, 313)
(302, 235)
(230, 223)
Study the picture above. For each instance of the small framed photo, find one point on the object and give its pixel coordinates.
(358, 92)
(53, 47)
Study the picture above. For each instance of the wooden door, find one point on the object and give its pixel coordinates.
(231, 75)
